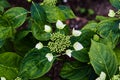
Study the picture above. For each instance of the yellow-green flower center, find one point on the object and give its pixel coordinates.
(59, 42)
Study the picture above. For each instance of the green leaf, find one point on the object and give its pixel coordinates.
(105, 26)
(67, 12)
(39, 33)
(1, 42)
(53, 14)
(38, 13)
(6, 32)
(35, 64)
(16, 16)
(4, 3)
(117, 51)
(1, 9)
(9, 63)
(8, 72)
(75, 71)
(115, 3)
(81, 55)
(90, 26)
(21, 34)
(103, 59)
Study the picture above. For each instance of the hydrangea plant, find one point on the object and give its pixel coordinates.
(28, 53)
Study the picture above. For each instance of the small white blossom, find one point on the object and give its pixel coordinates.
(111, 13)
(68, 52)
(102, 76)
(60, 25)
(39, 45)
(49, 56)
(76, 32)
(65, 1)
(77, 46)
(3, 78)
(18, 78)
(47, 28)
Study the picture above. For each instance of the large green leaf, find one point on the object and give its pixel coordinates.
(75, 71)
(105, 26)
(9, 63)
(81, 55)
(16, 16)
(35, 64)
(4, 3)
(67, 12)
(53, 14)
(103, 59)
(115, 3)
(8, 72)
(39, 33)
(38, 13)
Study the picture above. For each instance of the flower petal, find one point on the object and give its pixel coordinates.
(49, 56)
(111, 13)
(102, 76)
(39, 45)
(77, 46)
(47, 28)
(68, 52)
(3, 78)
(76, 32)
(60, 25)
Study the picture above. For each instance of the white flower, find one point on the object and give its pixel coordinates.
(49, 56)
(47, 28)
(39, 45)
(77, 46)
(76, 32)
(3, 78)
(18, 78)
(111, 13)
(68, 52)
(60, 25)
(102, 76)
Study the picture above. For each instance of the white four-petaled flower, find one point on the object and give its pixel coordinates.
(102, 76)
(68, 52)
(39, 45)
(47, 28)
(60, 25)
(49, 56)
(77, 46)
(111, 13)
(3, 78)
(76, 32)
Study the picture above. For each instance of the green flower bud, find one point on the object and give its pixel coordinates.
(96, 37)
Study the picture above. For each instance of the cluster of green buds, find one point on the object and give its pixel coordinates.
(50, 2)
(59, 42)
